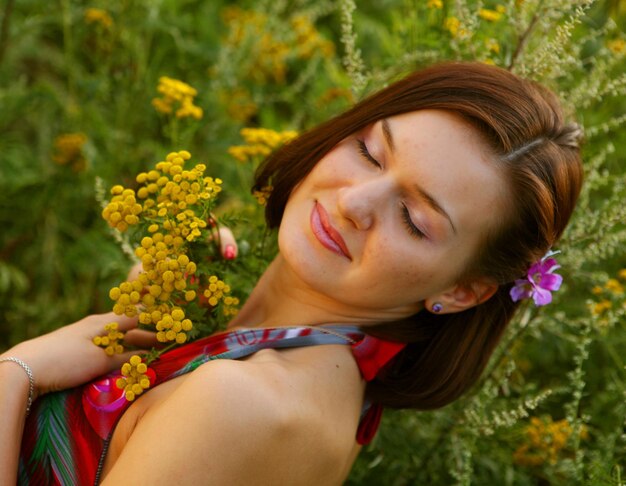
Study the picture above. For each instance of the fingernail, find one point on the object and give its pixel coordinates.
(229, 252)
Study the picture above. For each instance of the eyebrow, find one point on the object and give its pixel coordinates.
(430, 200)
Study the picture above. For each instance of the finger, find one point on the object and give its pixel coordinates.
(140, 338)
(228, 244)
(118, 360)
(124, 323)
(134, 272)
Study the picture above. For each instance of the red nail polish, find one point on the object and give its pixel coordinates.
(229, 252)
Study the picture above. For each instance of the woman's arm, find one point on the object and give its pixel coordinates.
(14, 390)
(62, 359)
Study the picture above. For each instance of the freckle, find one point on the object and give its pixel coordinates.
(336, 366)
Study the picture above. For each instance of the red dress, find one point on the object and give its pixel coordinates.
(67, 433)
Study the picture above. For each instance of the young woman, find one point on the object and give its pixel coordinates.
(402, 224)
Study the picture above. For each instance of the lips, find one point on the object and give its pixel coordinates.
(328, 236)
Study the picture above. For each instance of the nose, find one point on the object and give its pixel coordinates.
(361, 202)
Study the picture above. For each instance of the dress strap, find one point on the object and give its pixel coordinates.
(371, 355)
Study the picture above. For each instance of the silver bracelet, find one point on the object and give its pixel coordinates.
(31, 379)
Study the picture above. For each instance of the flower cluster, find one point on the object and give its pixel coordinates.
(217, 290)
(239, 103)
(271, 53)
(540, 281)
(176, 95)
(335, 93)
(134, 378)
(169, 213)
(171, 326)
(110, 341)
(491, 15)
(308, 39)
(546, 442)
(611, 298)
(260, 142)
(269, 59)
(453, 26)
(263, 194)
(123, 210)
(617, 46)
(69, 151)
(98, 16)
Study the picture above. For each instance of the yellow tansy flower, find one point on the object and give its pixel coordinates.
(545, 442)
(438, 4)
(98, 16)
(134, 379)
(263, 195)
(492, 45)
(599, 308)
(613, 285)
(68, 150)
(617, 46)
(176, 95)
(452, 24)
(110, 341)
(260, 142)
(489, 15)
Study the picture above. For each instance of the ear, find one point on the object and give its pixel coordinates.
(461, 297)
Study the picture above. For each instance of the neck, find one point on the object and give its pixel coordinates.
(281, 299)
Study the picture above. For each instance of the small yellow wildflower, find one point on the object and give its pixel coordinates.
(69, 150)
(123, 209)
(597, 290)
(452, 24)
(545, 442)
(216, 290)
(438, 4)
(110, 341)
(492, 45)
(599, 308)
(308, 39)
(263, 195)
(176, 95)
(260, 142)
(230, 306)
(239, 104)
(98, 16)
(622, 274)
(268, 52)
(134, 379)
(614, 286)
(489, 15)
(173, 326)
(334, 93)
(617, 46)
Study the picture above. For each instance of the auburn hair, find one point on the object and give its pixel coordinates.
(538, 155)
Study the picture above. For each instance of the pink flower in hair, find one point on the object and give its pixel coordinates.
(540, 281)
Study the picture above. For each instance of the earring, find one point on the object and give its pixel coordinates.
(437, 307)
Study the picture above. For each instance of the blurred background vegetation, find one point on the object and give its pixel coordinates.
(77, 84)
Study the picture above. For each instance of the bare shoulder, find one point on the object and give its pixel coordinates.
(272, 419)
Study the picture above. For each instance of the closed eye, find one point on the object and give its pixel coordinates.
(408, 222)
(406, 216)
(366, 154)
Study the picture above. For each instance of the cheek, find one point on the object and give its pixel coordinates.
(397, 265)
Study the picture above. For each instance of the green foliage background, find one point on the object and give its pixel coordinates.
(60, 73)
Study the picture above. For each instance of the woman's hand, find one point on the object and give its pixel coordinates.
(67, 357)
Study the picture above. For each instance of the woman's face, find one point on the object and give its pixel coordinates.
(394, 213)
